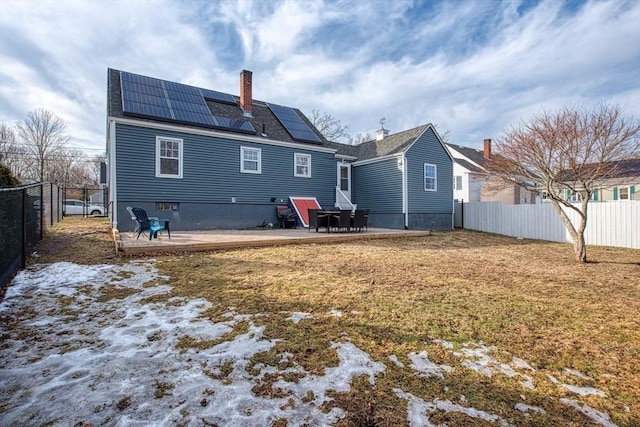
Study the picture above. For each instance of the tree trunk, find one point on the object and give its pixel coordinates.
(577, 236)
(580, 249)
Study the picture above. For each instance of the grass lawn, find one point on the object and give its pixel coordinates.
(502, 321)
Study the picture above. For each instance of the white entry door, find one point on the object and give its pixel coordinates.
(344, 179)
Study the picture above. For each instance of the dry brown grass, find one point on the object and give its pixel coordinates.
(528, 298)
(79, 240)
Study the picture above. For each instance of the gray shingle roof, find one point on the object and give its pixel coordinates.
(392, 144)
(468, 165)
(264, 119)
(476, 156)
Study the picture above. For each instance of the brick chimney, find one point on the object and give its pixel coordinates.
(245, 92)
(487, 148)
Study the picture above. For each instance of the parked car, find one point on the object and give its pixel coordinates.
(78, 207)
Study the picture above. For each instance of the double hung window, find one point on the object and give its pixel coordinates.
(302, 165)
(168, 157)
(250, 160)
(430, 177)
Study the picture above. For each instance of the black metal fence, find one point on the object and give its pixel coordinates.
(25, 213)
(91, 196)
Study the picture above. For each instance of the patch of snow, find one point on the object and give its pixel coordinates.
(522, 364)
(427, 368)
(478, 357)
(419, 410)
(522, 407)
(576, 374)
(335, 312)
(297, 316)
(395, 360)
(353, 362)
(443, 343)
(583, 391)
(595, 415)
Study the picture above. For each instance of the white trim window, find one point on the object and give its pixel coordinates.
(250, 160)
(168, 157)
(623, 193)
(302, 165)
(430, 177)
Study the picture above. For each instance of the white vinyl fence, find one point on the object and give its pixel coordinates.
(608, 224)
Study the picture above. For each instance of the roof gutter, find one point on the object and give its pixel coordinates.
(217, 134)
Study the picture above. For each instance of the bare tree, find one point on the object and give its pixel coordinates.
(94, 172)
(12, 154)
(68, 168)
(329, 126)
(360, 138)
(572, 149)
(43, 135)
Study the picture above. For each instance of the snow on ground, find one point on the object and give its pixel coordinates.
(296, 317)
(478, 357)
(421, 363)
(595, 415)
(418, 410)
(115, 362)
(71, 354)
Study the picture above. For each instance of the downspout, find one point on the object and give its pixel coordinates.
(113, 199)
(405, 193)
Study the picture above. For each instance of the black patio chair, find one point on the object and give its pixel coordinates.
(136, 229)
(286, 217)
(315, 220)
(146, 224)
(343, 221)
(359, 220)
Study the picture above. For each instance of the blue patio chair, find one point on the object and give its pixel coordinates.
(146, 224)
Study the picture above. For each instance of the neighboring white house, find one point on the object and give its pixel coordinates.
(471, 181)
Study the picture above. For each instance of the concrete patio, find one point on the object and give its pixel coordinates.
(182, 241)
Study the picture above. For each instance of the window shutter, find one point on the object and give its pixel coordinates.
(595, 195)
(615, 193)
(632, 189)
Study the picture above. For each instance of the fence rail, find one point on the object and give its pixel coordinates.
(609, 223)
(25, 212)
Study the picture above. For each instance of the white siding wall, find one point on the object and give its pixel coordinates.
(609, 223)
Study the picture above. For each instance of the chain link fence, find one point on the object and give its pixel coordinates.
(25, 212)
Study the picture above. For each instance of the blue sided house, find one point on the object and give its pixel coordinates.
(211, 160)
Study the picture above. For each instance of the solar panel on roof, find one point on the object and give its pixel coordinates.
(218, 96)
(149, 97)
(294, 124)
(239, 125)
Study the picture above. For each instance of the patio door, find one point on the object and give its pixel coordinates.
(344, 179)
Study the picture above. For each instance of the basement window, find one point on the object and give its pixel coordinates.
(167, 206)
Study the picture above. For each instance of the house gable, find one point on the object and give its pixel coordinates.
(429, 149)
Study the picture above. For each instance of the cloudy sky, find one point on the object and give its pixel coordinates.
(472, 67)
